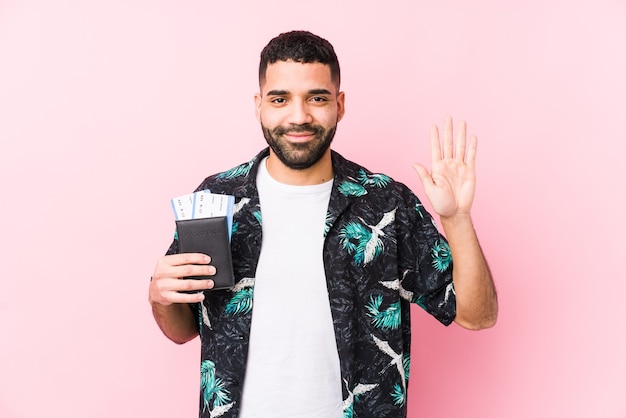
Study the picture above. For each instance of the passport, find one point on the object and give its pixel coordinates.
(210, 236)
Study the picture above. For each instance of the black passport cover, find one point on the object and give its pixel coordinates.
(209, 236)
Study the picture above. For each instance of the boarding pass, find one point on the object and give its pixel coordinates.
(204, 204)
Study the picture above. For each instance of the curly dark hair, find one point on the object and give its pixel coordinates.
(300, 46)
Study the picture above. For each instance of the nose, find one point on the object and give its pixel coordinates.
(300, 113)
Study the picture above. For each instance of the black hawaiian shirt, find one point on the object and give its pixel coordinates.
(382, 251)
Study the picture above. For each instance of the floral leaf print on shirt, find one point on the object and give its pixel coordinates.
(376, 180)
(258, 217)
(354, 237)
(240, 170)
(406, 363)
(420, 301)
(212, 387)
(399, 393)
(241, 302)
(328, 223)
(442, 256)
(390, 318)
(358, 187)
(347, 188)
(364, 241)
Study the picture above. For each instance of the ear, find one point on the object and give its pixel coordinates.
(341, 105)
(257, 106)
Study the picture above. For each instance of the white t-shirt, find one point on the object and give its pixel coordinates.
(293, 365)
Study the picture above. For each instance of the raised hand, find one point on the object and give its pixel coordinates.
(451, 183)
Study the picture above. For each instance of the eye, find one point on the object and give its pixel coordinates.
(319, 99)
(279, 100)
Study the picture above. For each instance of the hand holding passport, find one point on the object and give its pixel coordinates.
(203, 225)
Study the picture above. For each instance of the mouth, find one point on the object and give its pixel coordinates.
(299, 136)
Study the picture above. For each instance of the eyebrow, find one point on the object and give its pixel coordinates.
(285, 92)
(319, 91)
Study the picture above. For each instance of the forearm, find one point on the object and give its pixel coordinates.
(477, 304)
(176, 321)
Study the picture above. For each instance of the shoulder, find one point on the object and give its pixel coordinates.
(355, 180)
(236, 179)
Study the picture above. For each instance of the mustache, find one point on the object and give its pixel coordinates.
(294, 129)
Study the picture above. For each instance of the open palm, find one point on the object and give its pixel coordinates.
(451, 183)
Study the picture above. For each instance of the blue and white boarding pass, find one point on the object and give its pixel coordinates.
(204, 204)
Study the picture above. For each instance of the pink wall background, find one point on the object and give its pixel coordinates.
(109, 108)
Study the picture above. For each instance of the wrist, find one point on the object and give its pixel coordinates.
(456, 219)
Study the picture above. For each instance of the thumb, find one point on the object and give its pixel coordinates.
(423, 174)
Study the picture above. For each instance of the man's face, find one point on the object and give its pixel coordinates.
(299, 107)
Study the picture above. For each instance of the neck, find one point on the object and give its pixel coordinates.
(320, 172)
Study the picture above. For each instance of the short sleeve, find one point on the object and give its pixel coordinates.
(425, 260)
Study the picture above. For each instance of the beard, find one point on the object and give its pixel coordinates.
(299, 156)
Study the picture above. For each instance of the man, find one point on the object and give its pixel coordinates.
(327, 258)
